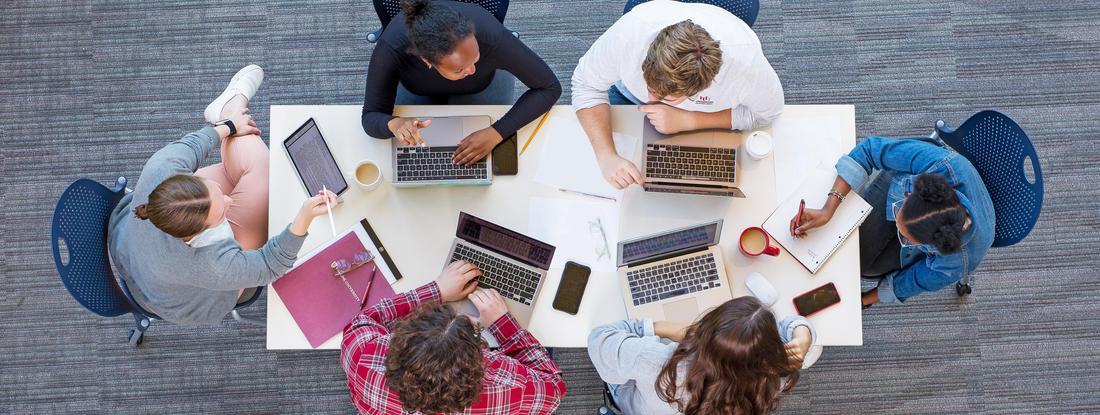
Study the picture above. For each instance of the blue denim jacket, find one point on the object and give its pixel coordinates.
(922, 267)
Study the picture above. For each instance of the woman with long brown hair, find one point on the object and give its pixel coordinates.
(190, 242)
(735, 360)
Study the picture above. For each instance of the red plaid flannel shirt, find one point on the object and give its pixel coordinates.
(520, 377)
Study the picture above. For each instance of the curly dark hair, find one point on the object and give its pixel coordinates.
(935, 216)
(736, 363)
(435, 360)
(434, 29)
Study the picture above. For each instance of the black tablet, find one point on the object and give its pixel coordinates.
(313, 161)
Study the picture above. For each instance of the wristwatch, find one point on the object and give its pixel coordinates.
(228, 123)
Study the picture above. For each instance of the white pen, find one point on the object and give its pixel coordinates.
(588, 194)
(331, 221)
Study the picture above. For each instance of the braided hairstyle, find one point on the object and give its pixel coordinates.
(434, 29)
(178, 206)
(935, 216)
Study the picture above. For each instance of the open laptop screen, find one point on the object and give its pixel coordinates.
(505, 241)
(668, 244)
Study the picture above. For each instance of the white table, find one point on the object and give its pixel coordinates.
(418, 225)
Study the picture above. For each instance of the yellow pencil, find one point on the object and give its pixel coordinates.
(532, 136)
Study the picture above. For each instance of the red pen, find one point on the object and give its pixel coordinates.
(801, 208)
(370, 283)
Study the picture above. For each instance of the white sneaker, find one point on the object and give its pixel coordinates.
(245, 82)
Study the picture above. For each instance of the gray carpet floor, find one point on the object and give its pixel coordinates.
(91, 89)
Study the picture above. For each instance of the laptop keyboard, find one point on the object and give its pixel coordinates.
(434, 163)
(511, 280)
(674, 278)
(693, 163)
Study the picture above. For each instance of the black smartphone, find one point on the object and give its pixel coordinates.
(506, 157)
(571, 288)
(816, 300)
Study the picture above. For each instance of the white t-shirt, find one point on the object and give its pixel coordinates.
(746, 82)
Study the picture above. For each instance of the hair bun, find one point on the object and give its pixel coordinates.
(141, 212)
(933, 188)
(947, 238)
(414, 9)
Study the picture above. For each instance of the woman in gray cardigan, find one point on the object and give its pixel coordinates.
(190, 241)
(734, 360)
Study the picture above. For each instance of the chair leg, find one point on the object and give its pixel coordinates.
(137, 334)
(962, 288)
(237, 316)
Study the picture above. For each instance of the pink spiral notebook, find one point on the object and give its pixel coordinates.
(320, 302)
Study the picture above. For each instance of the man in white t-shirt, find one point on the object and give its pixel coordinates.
(687, 66)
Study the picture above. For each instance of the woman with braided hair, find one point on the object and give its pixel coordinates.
(932, 222)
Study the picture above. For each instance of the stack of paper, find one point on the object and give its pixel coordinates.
(569, 163)
(582, 231)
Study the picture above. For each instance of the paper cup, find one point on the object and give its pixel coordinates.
(758, 145)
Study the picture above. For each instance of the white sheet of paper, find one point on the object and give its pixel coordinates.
(568, 162)
(582, 231)
(808, 144)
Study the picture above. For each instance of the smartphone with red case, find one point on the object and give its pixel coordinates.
(817, 299)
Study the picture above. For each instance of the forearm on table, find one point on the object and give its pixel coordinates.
(596, 122)
(674, 331)
(703, 120)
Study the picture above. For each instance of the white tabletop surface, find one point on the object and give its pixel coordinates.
(418, 225)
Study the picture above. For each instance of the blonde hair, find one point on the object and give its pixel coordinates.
(682, 60)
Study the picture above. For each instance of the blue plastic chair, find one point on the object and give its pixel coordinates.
(744, 9)
(1001, 152)
(387, 9)
(78, 237)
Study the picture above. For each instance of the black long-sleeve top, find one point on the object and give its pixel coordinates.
(499, 49)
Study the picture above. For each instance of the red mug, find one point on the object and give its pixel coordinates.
(756, 249)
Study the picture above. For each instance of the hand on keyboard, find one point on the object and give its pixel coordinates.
(457, 281)
(477, 146)
(490, 305)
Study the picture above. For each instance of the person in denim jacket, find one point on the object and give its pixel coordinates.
(932, 220)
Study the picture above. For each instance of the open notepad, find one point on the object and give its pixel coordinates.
(819, 244)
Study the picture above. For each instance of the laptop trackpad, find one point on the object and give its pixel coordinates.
(466, 307)
(681, 310)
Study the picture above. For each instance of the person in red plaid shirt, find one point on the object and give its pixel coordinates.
(411, 354)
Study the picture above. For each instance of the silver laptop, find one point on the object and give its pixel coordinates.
(431, 163)
(698, 162)
(675, 275)
(510, 262)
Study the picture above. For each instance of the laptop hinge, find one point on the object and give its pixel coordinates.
(667, 256)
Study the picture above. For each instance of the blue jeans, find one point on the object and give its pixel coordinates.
(879, 248)
(499, 92)
(619, 95)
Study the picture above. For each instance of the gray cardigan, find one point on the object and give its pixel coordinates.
(182, 284)
(629, 357)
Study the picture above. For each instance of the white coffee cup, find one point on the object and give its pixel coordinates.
(758, 145)
(368, 175)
